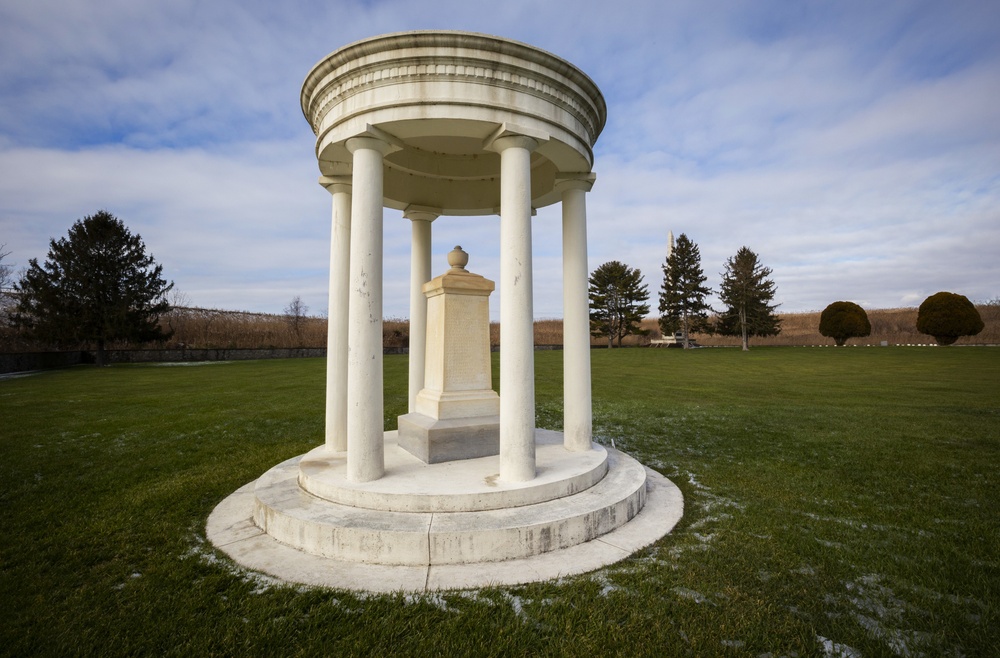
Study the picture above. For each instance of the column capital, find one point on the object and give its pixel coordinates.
(373, 137)
(417, 213)
(335, 184)
(575, 181)
(509, 135)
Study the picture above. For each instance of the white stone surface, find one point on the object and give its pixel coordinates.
(336, 339)
(517, 340)
(364, 358)
(420, 273)
(458, 375)
(577, 413)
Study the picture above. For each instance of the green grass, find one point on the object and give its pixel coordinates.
(836, 501)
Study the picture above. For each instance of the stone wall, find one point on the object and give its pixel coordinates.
(25, 361)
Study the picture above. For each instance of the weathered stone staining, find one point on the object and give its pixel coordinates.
(467, 492)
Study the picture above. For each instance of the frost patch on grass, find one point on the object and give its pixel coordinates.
(710, 504)
(435, 599)
(709, 519)
(878, 610)
(516, 603)
(606, 585)
(697, 597)
(861, 525)
(18, 375)
(190, 363)
(899, 641)
(836, 650)
(201, 550)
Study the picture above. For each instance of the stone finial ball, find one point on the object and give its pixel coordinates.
(457, 258)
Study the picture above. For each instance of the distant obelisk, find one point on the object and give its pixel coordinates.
(670, 244)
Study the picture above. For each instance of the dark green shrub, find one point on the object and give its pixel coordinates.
(843, 320)
(947, 316)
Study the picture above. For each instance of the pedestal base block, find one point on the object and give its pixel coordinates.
(435, 441)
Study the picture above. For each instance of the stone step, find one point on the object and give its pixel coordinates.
(321, 527)
(466, 485)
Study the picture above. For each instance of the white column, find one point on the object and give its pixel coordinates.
(517, 350)
(577, 413)
(336, 336)
(420, 273)
(365, 441)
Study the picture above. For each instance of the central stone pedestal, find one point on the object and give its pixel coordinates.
(457, 411)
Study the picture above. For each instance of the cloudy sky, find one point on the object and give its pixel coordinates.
(855, 146)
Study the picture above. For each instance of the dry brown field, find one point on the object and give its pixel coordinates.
(205, 328)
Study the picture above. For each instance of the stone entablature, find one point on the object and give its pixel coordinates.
(352, 82)
(440, 99)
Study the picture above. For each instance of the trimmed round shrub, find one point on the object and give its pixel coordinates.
(946, 316)
(843, 320)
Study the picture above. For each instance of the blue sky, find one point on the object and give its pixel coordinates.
(855, 146)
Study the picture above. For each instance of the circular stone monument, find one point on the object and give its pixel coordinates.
(469, 492)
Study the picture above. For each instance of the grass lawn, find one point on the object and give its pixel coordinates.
(838, 502)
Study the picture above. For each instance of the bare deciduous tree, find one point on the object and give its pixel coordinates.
(296, 312)
(6, 271)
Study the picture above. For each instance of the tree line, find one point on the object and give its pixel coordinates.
(618, 303)
(945, 316)
(618, 298)
(98, 285)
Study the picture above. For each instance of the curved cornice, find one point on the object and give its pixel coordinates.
(463, 55)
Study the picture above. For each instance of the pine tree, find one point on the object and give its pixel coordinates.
(747, 292)
(97, 285)
(682, 298)
(616, 301)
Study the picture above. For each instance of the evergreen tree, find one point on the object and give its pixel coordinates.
(842, 321)
(617, 297)
(682, 298)
(747, 291)
(947, 316)
(97, 285)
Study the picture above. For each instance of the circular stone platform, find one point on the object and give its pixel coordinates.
(466, 485)
(274, 526)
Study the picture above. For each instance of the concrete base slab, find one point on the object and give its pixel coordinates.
(232, 529)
